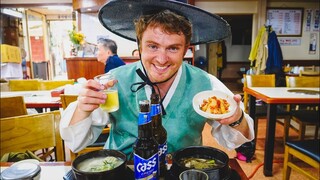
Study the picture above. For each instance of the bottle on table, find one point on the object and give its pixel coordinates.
(159, 132)
(145, 150)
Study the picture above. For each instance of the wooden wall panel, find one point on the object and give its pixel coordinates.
(83, 67)
(88, 67)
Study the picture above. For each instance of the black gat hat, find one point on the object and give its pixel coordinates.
(118, 17)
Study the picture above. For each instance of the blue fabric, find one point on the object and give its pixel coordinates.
(113, 62)
(275, 59)
(180, 113)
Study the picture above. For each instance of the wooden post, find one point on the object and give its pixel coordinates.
(212, 58)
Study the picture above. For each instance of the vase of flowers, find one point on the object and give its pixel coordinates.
(78, 40)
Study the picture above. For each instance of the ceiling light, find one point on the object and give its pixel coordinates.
(63, 8)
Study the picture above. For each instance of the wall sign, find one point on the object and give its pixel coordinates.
(289, 41)
(286, 21)
(313, 43)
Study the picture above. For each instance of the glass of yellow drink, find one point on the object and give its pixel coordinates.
(112, 101)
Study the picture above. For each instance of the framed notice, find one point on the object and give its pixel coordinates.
(286, 21)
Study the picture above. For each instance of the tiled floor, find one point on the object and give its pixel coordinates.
(256, 164)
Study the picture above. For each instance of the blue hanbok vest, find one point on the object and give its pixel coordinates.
(184, 126)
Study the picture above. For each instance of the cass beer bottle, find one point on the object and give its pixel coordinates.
(159, 132)
(145, 150)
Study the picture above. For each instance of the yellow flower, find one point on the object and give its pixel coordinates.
(76, 37)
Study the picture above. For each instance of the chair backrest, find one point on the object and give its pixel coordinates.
(309, 71)
(12, 106)
(32, 132)
(23, 85)
(67, 99)
(303, 81)
(49, 85)
(259, 80)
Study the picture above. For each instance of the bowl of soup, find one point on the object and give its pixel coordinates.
(101, 164)
(208, 159)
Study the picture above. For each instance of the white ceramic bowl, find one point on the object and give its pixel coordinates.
(198, 100)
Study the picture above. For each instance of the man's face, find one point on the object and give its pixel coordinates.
(162, 53)
(102, 54)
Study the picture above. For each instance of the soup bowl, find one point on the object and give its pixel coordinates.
(220, 172)
(113, 174)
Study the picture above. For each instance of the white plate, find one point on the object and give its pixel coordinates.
(198, 100)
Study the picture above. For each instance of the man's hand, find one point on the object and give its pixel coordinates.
(90, 97)
(236, 115)
(243, 126)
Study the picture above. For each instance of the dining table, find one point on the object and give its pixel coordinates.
(274, 96)
(35, 99)
(59, 170)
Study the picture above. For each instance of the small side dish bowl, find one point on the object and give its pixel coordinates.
(204, 95)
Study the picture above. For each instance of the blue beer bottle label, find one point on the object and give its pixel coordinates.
(146, 168)
(144, 118)
(163, 150)
(155, 109)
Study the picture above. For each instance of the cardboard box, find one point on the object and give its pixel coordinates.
(10, 54)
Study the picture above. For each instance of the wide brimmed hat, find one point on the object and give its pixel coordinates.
(118, 17)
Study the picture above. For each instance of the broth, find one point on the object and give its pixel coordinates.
(200, 163)
(99, 164)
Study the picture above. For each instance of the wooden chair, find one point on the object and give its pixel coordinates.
(49, 85)
(65, 101)
(263, 80)
(304, 115)
(307, 151)
(309, 71)
(12, 106)
(294, 81)
(23, 85)
(32, 132)
(256, 81)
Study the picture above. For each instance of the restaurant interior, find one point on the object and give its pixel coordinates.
(43, 68)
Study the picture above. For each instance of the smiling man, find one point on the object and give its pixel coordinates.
(164, 37)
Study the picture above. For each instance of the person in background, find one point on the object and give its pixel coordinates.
(164, 38)
(24, 64)
(135, 53)
(107, 54)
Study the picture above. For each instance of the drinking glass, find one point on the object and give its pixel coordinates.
(193, 174)
(112, 101)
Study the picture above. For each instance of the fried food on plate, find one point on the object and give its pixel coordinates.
(215, 105)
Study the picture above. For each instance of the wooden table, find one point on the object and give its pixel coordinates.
(274, 96)
(56, 170)
(35, 99)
